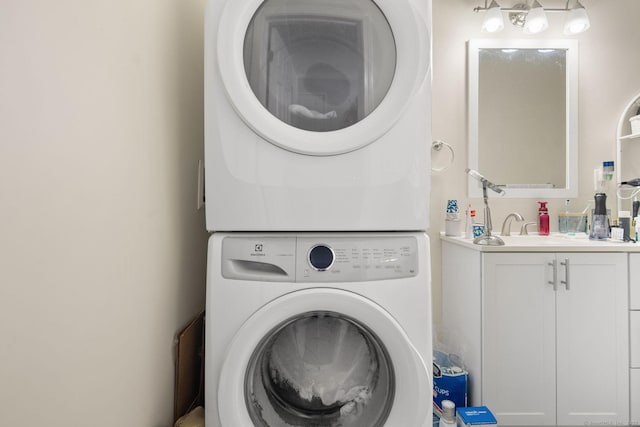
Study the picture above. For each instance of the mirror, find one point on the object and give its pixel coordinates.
(523, 116)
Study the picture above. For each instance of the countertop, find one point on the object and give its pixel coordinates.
(555, 242)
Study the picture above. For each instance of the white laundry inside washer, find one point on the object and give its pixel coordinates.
(320, 367)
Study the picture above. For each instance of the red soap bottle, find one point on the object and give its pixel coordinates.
(543, 219)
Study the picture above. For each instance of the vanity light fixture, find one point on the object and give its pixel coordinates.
(532, 17)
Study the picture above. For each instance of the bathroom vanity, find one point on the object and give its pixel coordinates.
(548, 327)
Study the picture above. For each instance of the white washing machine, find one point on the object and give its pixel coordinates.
(317, 115)
(318, 329)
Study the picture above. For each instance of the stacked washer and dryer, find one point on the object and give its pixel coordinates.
(317, 157)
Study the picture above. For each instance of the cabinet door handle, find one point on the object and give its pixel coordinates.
(555, 275)
(566, 282)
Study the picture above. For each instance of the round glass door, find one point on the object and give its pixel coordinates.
(319, 65)
(322, 77)
(320, 369)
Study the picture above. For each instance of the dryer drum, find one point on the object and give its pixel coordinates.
(321, 68)
(322, 369)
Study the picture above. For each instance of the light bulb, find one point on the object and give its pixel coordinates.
(493, 21)
(577, 20)
(536, 21)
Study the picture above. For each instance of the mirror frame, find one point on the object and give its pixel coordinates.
(571, 96)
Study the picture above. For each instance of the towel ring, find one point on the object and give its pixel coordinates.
(437, 146)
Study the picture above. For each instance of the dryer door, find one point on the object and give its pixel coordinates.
(323, 357)
(322, 77)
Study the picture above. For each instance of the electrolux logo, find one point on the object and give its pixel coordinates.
(257, 250)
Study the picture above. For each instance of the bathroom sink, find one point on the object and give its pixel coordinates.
(538, 240)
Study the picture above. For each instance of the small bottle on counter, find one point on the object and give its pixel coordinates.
(468, 227)
(448, 418)
(625, 223)
(600, 227)
(608, 169)
(543, 219)
(452, 223)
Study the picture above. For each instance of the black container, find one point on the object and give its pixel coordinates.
(600, 222)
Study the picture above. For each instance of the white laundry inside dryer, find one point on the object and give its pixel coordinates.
(321, 70)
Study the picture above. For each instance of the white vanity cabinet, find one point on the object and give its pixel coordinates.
(544, 334)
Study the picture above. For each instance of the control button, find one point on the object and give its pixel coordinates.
(321, 257)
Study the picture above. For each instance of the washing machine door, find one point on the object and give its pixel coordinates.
(322, 77)
(323, 357)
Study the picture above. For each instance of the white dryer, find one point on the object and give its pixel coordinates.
(316, 329)
(317, 114)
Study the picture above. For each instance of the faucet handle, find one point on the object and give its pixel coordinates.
(523, 229)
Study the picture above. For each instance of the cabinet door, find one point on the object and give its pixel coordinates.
(592, 343)
(635, 397)
(518, 369)
(634, 281)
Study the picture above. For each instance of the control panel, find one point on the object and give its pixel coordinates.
(322, 258)
(354, 259)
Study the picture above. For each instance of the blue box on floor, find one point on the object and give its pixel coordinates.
(475, 416)
(449, 382)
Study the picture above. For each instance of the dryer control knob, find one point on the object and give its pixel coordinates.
(321, 257)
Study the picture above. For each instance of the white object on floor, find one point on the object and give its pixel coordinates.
(195, 418)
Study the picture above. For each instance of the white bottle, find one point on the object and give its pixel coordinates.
(448, 418)
(468, 229)
(637, 228)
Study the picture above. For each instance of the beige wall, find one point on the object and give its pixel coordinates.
(102, 252)
(609, 78)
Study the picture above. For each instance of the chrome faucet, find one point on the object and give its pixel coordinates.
(506, 225)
